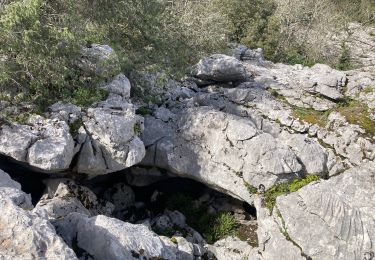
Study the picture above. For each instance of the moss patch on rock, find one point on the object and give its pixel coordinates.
(283, 188)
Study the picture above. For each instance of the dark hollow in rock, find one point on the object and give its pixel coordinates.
(31, 181)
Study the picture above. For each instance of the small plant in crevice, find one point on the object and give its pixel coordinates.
(283, 188)
(224, 225)
(357, 112)
(345, 61)
(143, 111)
(212, 226)
(74, 127)
(251, 188)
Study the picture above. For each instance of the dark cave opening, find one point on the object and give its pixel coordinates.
(31, 181)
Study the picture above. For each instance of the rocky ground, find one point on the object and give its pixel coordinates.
(243, 159)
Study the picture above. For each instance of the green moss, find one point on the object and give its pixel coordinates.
(251, 188)
(173, 240)
(356, 112)
(368, 89)
(276, 94)
(311, 116)
(144, 111)
(280, 189)
(137, 129)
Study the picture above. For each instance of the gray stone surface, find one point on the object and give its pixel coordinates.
(333, 219)
(119, 85)
(327, 219)
(220, 68)
(23, 234)
(64, 196)
(11, 190)
(99, 60)
(44, 143)
(220, 150)
(234, 249)
(111, 142)
(108, 238)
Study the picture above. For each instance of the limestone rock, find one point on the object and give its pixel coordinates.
(26, 235)
(310, 153)
(45, 143)
(11, 190)
(64, 196)
(220, 150)
(234, 249)
(331, 219)
(119, 85)
(99, 60)
(111, 143)
(339, 212)
(65, 112)
(220, 68)
(122, 197)
(108, 238)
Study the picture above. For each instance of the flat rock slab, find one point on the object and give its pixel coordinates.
(333, 219)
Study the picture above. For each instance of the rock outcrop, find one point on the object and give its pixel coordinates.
(23, 234)
(107, 238)
(110, 139)
(43, 143)
(331, 219)
(220, 68)
(241, 125)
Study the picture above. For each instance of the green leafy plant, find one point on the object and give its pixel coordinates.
(212, 226)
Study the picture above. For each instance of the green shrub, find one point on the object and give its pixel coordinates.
(345, 62)
(224, 225)
(212, 226)
(41, 40)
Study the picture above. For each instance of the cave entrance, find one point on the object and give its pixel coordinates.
(31, 181)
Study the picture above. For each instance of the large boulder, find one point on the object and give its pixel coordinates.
(220, 68)
(99, 60)
(11, 190)
(64, 196)
(23, 234)
(45, 144)
(224, 151)
(331, 219)
(108, 238)
(110, 139)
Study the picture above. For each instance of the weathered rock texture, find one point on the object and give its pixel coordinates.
(110, 139)
(331, 219)
(108, 238)
(43, 143)
(23, 234)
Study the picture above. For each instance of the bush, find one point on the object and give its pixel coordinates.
(41, 41)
